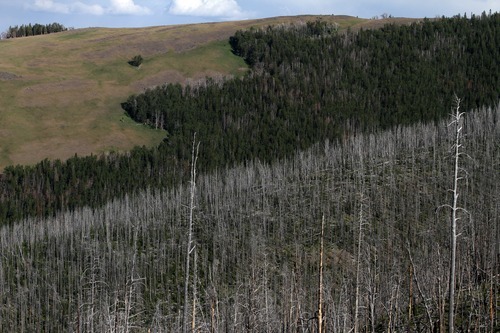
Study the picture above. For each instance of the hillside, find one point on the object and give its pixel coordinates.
(61, 93)
(313, 128)
(306, 83)
(254, 264)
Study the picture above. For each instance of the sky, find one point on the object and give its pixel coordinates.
(143, 13)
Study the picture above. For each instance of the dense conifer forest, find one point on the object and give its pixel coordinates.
(345, 132)
(307, 83)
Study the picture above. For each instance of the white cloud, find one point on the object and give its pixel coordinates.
(51, 6)
(170, 11)
(218, 8)
(70, 7)
(128, 7)
(82, 8)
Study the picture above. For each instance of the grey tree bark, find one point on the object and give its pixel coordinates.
(457, 121)
(189, 248)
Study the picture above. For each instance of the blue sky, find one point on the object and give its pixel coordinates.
(140, 13)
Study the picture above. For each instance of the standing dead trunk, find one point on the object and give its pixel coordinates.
(457, 120)
(189, 248)
(320, 284)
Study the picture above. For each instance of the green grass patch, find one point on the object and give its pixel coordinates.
(215, 57)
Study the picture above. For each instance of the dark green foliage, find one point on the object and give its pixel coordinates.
(34, 30)
(308, 83)
(136, 61)
(48, 187)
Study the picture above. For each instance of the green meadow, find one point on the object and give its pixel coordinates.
(60, 94)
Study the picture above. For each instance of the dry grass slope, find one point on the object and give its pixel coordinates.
(61, 93)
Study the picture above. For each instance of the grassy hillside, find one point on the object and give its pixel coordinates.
(61, 93)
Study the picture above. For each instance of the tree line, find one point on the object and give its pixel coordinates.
(26, 30)
(307, 83)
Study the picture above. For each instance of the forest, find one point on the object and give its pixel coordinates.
(307, 83)
(314, 194)
(26, 30)
(255, 245)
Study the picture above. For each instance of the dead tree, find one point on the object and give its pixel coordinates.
(457, 118)
(190, 248)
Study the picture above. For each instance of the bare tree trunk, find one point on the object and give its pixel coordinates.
(492, 305)
(358, 268)
(320, 284)
(410, 298)
(457, 117)
(189, 249)
(195, 282)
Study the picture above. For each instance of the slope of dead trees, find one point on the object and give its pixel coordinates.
(256, 245)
